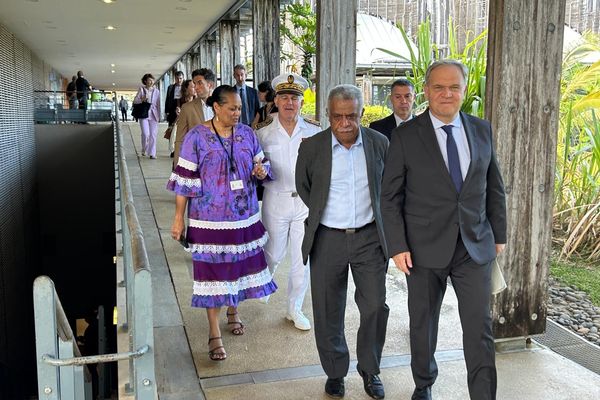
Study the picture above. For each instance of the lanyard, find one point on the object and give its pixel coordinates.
(229, 155)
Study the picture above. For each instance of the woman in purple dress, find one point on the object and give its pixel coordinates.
(215, 178)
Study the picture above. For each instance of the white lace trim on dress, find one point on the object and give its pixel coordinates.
(217, 288)
(229, 248)
(190, 166)
(189, 182)
(220, 225)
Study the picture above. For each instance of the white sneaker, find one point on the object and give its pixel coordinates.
(300, 321)
(265, 299)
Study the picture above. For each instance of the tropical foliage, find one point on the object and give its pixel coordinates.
(299, 26)
(577, 186)
(473, 56)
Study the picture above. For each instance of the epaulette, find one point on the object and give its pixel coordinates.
(312, 121)
(266, 122)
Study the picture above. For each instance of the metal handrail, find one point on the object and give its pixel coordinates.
(101, 358)
(62, 373)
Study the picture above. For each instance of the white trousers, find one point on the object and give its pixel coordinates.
(283, 216)
(149, 131)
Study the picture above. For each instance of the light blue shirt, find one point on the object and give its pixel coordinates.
(460, 137)
(349, 201)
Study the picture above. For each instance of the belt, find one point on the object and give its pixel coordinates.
(349, 231)
(286, 194)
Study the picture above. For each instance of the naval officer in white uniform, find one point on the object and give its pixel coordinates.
(283, 212)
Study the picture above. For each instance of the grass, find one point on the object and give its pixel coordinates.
(580, 274)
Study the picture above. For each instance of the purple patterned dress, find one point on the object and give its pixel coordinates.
(224, 233)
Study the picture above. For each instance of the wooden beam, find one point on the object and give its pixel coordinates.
(336, 49)
(229, 43)
(522, 103)
(208, 54)
(265, 17)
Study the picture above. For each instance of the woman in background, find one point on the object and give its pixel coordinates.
(188, 93)
(149, 94)
(266, 94)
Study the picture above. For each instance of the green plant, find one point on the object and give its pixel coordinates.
(577, 183)
(302, 33)
(473, 56)
(373, 113)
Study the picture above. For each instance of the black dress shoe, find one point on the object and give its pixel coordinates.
(334, 387)
(373, 385)
(422, 394)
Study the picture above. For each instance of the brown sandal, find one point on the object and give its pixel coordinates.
(215, 355)
(237, 330)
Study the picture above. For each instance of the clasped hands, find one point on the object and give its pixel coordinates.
(259, 170)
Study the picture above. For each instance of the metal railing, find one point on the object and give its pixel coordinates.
(51, 106)
(62, 371)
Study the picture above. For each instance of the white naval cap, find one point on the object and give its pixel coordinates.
(289, 83)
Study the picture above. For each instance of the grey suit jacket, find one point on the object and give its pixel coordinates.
(422, 211)
(313, 177)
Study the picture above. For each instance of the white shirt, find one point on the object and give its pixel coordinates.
(349, 201)
(400, 120)
(177, 92)
(281, 150)
(460, 137)
(208, 111)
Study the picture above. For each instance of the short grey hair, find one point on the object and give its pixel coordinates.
(461, 67)
(346, 92)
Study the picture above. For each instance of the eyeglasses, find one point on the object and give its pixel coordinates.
(340, 117)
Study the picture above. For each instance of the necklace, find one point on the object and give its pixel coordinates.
(232, 167)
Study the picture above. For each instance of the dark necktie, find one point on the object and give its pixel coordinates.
(244, 106)
(453, 160)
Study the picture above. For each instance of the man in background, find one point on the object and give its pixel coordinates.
(83, 87)
(172, 99)
(123, 106)
(249, 95)
(196, 111)
(402, 97)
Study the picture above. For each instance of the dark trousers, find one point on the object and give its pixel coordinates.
(332, 253)
(123, 114)
(426, 289)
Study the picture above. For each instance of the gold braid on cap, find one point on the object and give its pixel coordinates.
(289, 85)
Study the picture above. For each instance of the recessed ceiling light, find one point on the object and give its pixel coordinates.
(112, 71)
(109, 28)
(108, 1)
(114, 84)
(112, 65)
(185, 1)
(181, 8)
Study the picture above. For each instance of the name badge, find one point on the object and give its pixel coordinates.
(236, 185)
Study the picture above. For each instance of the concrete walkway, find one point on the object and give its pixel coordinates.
(273, 360)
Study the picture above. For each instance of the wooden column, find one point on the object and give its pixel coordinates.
(336, 49)
(522, 102)
(265, 17)
(229, 41)
(208, 54)
(195, 59)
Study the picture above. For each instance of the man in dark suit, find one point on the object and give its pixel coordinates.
(402, 96)
(249, 95)
(173, 95)
(443, 203)
(338, 176)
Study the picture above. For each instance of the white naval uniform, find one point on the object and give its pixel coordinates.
(283, 212)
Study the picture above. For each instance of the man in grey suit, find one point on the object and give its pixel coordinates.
(443, 203)
(338, 176)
